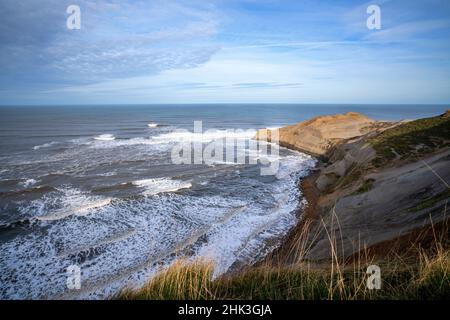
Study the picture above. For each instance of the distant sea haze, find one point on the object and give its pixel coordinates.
(94, 186)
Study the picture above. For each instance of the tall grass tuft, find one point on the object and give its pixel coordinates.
(424, 276)
(181, 281)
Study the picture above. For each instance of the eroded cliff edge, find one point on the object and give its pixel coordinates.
(375, 182)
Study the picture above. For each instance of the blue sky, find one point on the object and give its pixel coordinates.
(224, 51)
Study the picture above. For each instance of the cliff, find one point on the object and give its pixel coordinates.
(318, 135)
(377, 181)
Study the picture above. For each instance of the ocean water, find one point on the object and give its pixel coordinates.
(94, 186)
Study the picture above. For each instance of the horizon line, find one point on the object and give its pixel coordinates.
(222, 103)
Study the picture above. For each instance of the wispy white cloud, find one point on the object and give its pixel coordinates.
(224, 51)
(408, 31)
(117, 39)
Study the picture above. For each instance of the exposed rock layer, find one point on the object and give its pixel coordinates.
(361, 203)
(318, 135)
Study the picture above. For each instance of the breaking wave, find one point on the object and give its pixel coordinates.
(45, 145)
(122, 242)
(28, 183)
(161, 185)
(102, 212)
(105, 137)
(65, 202)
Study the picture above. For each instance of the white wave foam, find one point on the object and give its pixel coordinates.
(220, 162)
(81, 210)
(67, 202)
(299, 163)
(152, 125)
(274, 128)
(161, 185)
(45, 145)
(165, 140)
(105, 137)
(207, 136)
(110, 254)
(127, 240)
(141, 141)
(106, 174)
(28, 183)
(244, 237)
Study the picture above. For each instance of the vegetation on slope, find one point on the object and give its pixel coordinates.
(423, 275)
(412, 140)
(426, 275)
(430, 279)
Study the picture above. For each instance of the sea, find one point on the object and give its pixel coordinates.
(93, 192)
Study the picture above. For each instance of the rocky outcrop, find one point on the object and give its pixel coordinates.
(376, 183)
(380, 205)
(318, 135)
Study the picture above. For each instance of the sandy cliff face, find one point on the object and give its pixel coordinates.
(318, 135)
(379, 180)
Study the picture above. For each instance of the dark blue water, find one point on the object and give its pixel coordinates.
(22, 127)
(96, 187)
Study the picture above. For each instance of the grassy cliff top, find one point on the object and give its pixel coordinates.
(412, 140)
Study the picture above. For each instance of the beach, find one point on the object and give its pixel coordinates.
(96, 189)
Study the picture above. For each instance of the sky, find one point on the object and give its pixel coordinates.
(224, 51)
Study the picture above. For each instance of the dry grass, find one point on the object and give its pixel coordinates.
(429, 280)
(425, 276)
(181, 281)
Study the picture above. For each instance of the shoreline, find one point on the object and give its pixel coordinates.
(285, 253)
(349, 180)
(351, 214)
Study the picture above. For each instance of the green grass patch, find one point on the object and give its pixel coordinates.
(412, 140)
